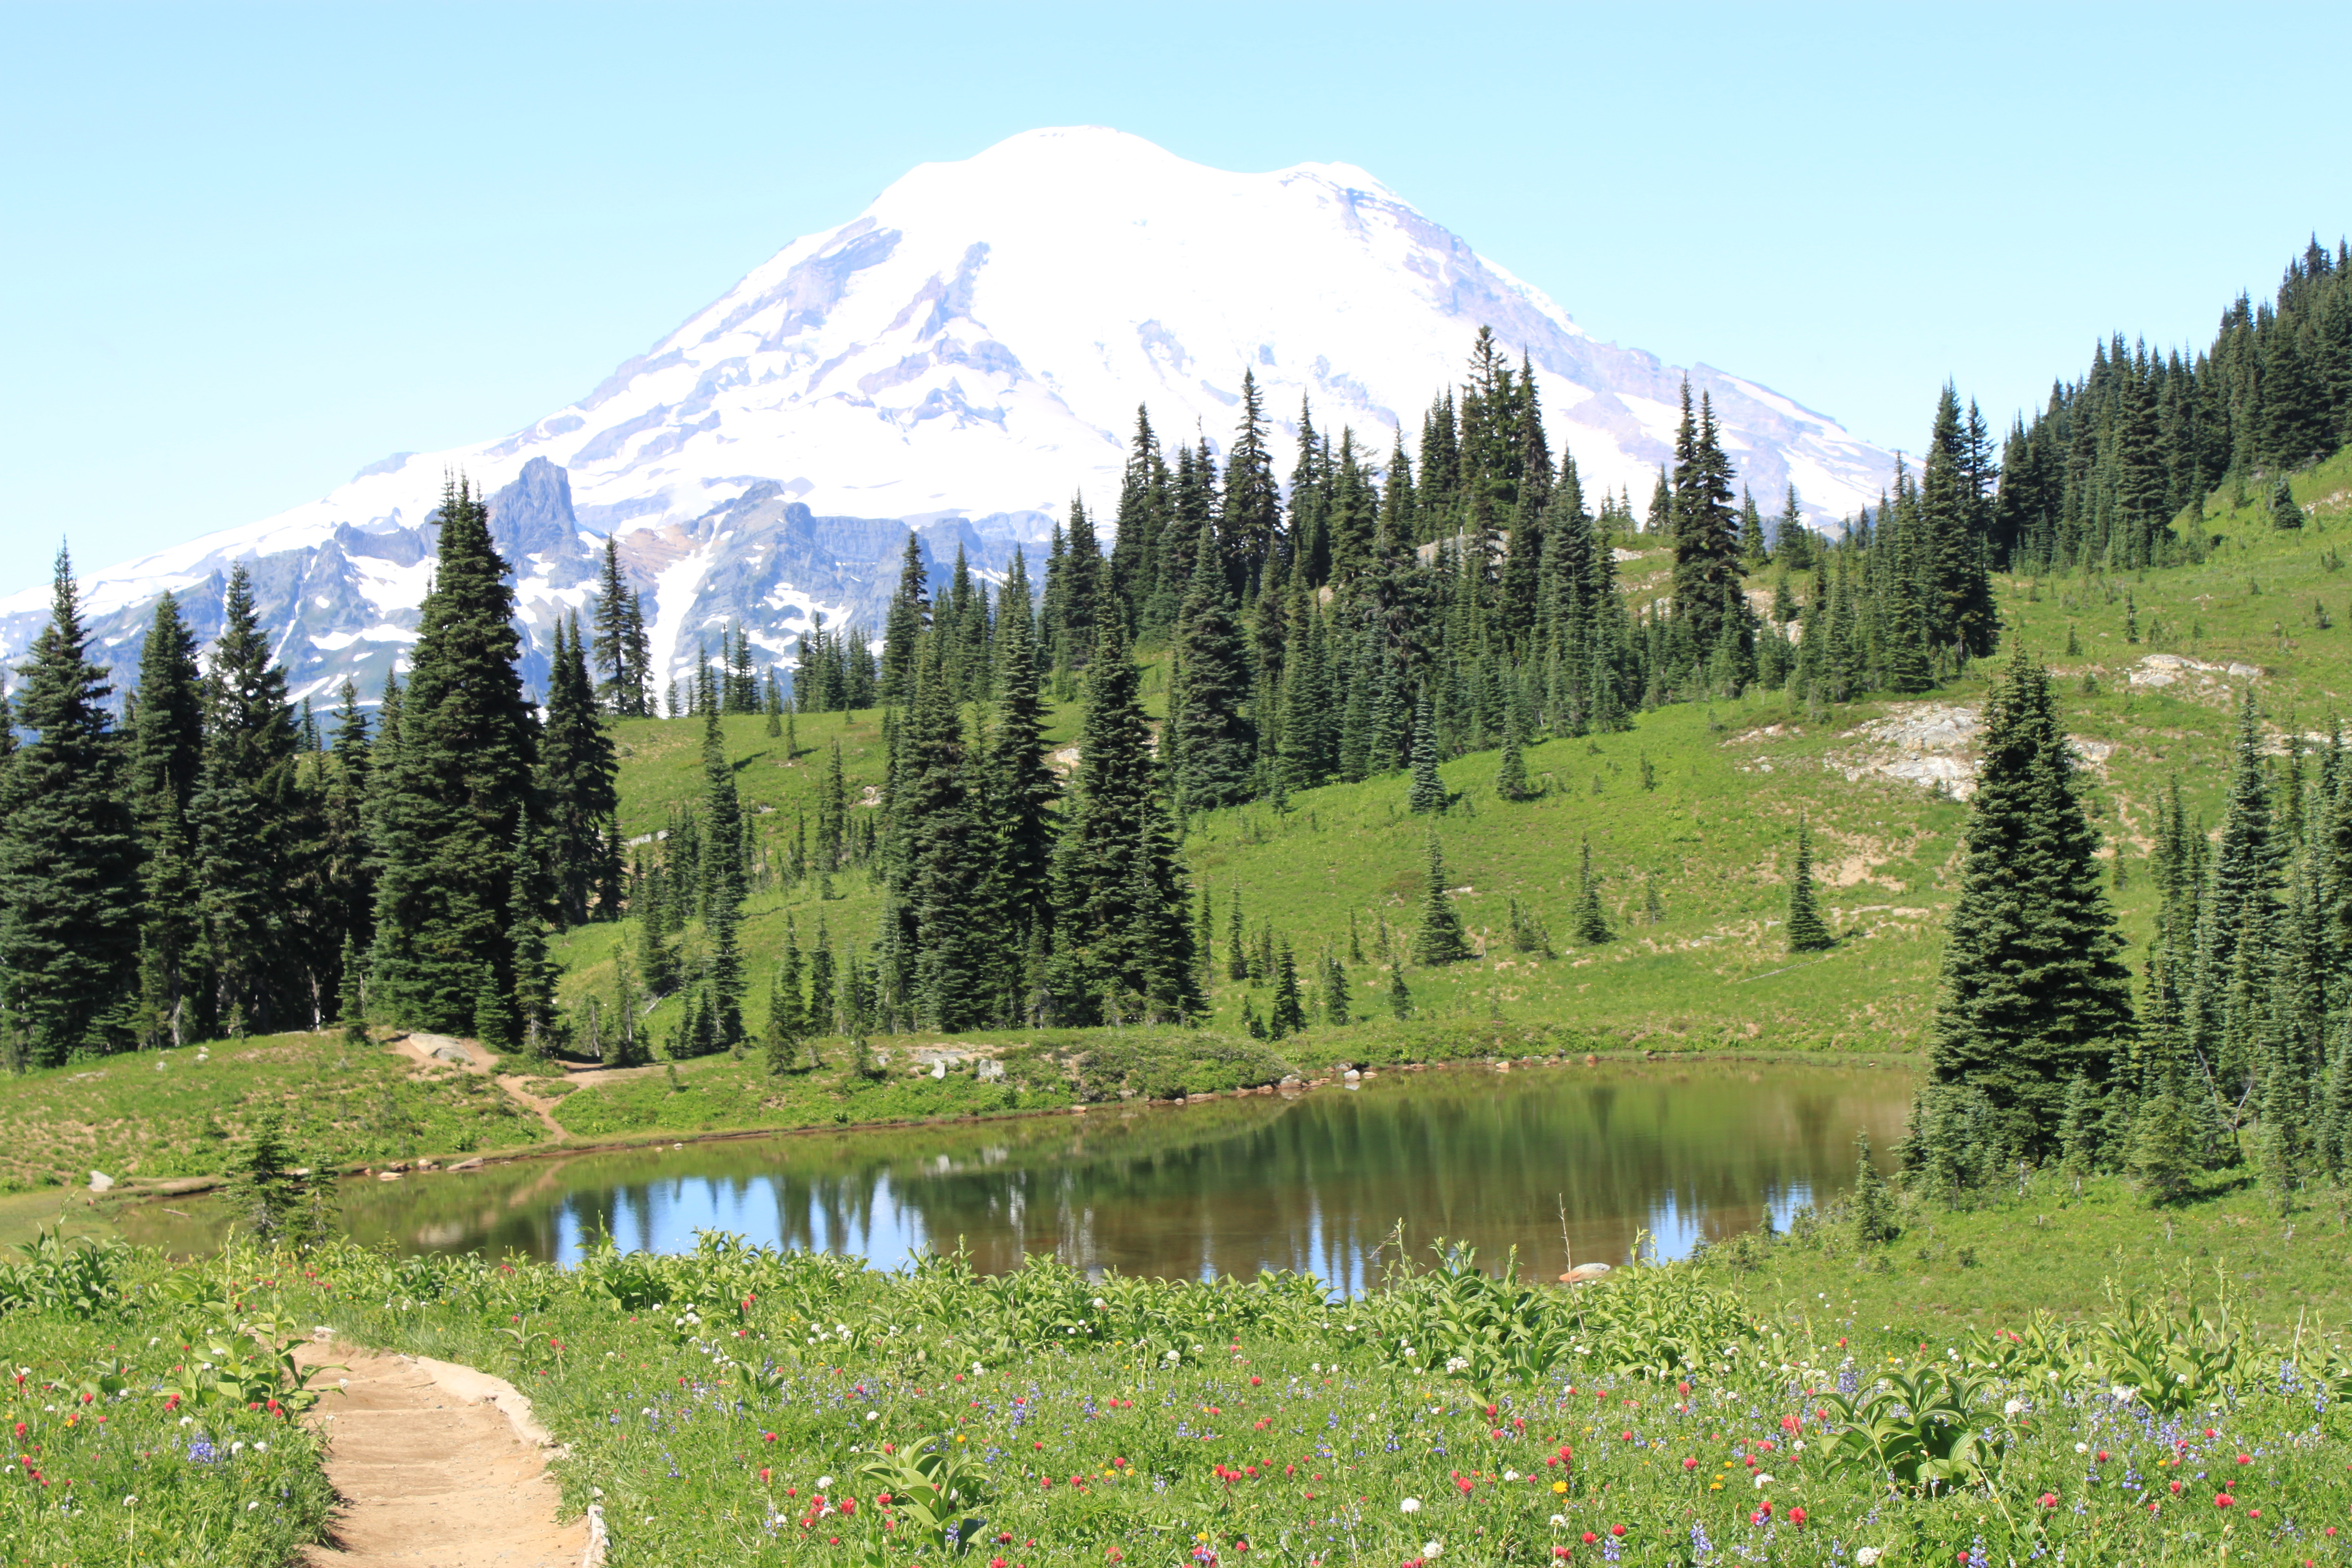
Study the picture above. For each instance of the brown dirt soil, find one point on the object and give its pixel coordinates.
(439, 1466)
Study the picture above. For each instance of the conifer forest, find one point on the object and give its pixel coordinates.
(191, 858)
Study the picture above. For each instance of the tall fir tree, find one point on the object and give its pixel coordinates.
(166, 753)
(457, 789)
(2033, 990)
(1217, 750)
(578, 783)
(69, 896)
(243, 806)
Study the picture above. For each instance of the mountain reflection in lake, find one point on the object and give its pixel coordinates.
(1315, 1183)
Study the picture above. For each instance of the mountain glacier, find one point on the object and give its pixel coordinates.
(961, 359)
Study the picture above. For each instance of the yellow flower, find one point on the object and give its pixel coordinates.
(1714, 1485)
(1559, 1486)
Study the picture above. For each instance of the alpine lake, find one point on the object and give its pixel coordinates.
(1548, 1165)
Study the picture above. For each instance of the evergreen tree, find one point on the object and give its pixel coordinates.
(1218, 746)
(459, 788)
(166, 753)
(1807, 934)
(1428, 791)
(70, 895)
(939, 863)
(620, 640)
(242, 812)
(351, 1002)
(271, 1191)
(1251, 516)
(1511, 774)
(1288, 1015)
(1024, 788)
(1440, 939)
(2284, 513)
(1124, 943)
(1400, 996)
(1590, 923)
(2164, 1158)
(1334, 992)
(578, 784)
(909, 615)
(722, 887)
(2034, 993)
(1873, 1206)
(781, 1040)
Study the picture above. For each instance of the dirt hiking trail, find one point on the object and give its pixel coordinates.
(439, 1466)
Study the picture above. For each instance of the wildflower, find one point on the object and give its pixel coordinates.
(2224, 1500)
(1559, 1521)
(2049, 1499)
(764, 1477)
(1410, 1505)
(2082, 1447)
(1690, 1464)
(1590, 1538)
(1868, 1556)
(822, 1483)
(130, 1502)
(2013, 1409)
(1797, 1517)
(1762, 1481)
(1430, 1548)
(1616, 1530)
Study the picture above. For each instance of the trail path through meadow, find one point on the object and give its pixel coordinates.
(439, 1466)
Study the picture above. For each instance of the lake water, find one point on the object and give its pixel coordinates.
(1315, 1182)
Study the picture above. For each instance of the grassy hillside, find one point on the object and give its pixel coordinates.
(182, 1112)
(1711, 832)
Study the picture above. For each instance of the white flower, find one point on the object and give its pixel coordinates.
(1762, 1481)
(822, 1483)
(1101, 1305)
(1433, 1549)
(874, 1415)
(2182, 1378)
(2013, 1408)
(977, 1369)
(1559, 1521)
(2125, 1393)
(1510, 1474)
(261, 1448)
(251, 1506)
(130, 1502)
(1866, 1555)
(1315, 1366)
(188, 1420)
(1410, 1505)
(236, 1448)
(1453, 1363)
(1798, 1445)
(2082, 1447)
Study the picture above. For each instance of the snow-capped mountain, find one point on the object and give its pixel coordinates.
(960, 359)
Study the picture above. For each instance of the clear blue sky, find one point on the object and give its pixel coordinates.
(248, 249)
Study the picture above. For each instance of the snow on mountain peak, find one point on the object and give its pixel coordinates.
(963, 356)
